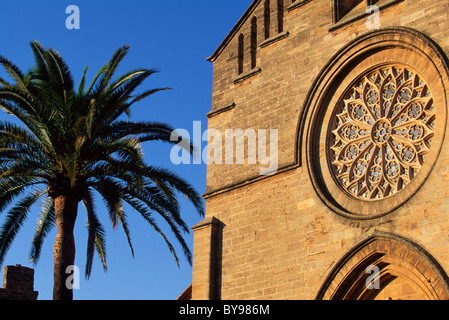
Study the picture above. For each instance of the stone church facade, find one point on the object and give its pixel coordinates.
(358, 206)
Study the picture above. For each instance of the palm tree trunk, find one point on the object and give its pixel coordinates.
(66, 208)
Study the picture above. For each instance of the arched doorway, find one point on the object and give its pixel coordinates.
(386, 267)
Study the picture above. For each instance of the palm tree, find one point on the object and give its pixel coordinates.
(72, 145)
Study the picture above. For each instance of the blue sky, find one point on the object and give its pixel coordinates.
(175, 37)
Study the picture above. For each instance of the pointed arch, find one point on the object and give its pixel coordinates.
(404, 270)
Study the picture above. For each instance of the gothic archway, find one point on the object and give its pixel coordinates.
(386, 266)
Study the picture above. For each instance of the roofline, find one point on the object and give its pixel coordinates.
(186, 294)
(233, 31)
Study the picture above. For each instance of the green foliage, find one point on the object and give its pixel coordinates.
(75, 142)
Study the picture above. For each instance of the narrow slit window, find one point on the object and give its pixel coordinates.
(267, 19)
(343, 7)
(241, 53)
(253, 42)
(280, 16)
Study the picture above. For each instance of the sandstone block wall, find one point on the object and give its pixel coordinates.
(279, 239)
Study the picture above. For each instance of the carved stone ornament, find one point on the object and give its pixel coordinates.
(375, 122)
(382, 132)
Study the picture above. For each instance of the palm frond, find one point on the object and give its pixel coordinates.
(82, 84)
(14, 221)
(96, 238)
(75, 141)
(45, 224)
(105, 74)
(164, 176)
(147, 216)
(62, 71)
(112, 194)
(12, 187)
(114, 103)
(40, 71)
(141, 130)
(34, 124)
(14, 71)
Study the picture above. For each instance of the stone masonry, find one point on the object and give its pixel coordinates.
(18, 284)
(306, 232)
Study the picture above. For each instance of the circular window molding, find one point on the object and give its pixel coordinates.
(380, 132)
(374, 122)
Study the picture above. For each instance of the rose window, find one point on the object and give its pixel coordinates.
(381, 133)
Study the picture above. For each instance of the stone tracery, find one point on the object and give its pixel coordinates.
(381, 132)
